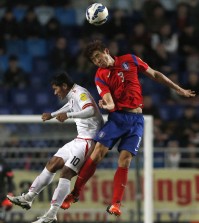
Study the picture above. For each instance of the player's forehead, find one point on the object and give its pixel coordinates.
(55, 87)
(96, 53)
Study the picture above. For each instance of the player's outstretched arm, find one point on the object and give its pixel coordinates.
(161, 78)
(186, 93)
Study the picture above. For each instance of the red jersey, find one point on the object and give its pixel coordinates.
(122, 81)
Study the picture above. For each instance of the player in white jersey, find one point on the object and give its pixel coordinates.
(70, 158)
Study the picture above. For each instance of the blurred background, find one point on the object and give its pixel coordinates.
(42, 36)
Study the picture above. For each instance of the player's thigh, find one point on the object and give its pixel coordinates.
(132, 139)
(78, 151)
(63, 151)
(109, 134)
(99, 152)
(131, 144)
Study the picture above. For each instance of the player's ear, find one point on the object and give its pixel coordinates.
(65, 86)
(106, 51)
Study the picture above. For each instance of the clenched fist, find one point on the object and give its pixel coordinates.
(62, 117)
(46, 116)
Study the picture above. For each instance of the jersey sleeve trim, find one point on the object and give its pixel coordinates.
(97, 79)
(134, 59)
(87, 105)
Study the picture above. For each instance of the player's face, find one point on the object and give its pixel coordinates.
(101, 59)
(60, 91)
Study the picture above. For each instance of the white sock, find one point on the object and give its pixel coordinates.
(52, 211)
(39, 184)
(62, 190)
(30, 196)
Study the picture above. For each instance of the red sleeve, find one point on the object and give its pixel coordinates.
(100, 82)
(142, 66)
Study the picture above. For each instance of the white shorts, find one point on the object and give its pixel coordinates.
(75, 153)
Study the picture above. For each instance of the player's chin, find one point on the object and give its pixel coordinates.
(102, 66)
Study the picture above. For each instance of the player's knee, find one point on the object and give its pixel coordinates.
(125, 159)
(99, 152)
(55, 164)
(67, 173)
(124, 163)
(96, 157)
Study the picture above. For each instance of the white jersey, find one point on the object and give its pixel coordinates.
(78, 99)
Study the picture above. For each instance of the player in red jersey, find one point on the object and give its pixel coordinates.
(118, 85)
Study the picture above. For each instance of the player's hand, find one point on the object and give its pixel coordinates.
(62, 117)
(186, 93)
(46, 116)
(103, 104)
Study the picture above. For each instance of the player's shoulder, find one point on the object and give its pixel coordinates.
(82, 94)
(125, 57)
(132, 59)
(102, 72)
(79, 89)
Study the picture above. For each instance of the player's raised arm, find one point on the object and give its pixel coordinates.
(161, 78)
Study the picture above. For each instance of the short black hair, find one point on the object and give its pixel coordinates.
(61, 78)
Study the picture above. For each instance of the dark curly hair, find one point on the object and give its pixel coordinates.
(95, 45)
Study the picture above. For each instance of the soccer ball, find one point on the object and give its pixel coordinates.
(97, 14)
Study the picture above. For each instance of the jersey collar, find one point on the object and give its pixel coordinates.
(68, 96)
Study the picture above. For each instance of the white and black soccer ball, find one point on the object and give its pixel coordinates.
(97, 14)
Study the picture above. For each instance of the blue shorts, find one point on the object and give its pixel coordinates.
(124, 126)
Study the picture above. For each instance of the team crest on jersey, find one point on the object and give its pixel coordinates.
(83, 97)
(101, 134)
(125, 65)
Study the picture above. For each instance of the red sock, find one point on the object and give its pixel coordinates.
(119, 184)
(84, 175)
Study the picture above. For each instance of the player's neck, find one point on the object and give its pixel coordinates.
(111, 61)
